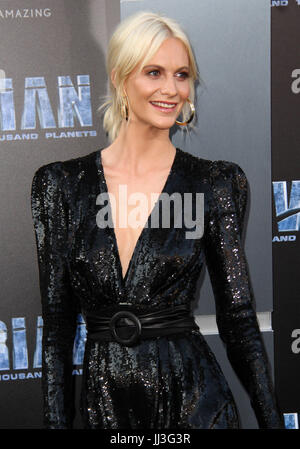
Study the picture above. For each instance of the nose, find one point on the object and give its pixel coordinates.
(168, 86)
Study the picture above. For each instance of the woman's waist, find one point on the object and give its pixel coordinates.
(129, 324)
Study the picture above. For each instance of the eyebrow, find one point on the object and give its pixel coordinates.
(160, 67)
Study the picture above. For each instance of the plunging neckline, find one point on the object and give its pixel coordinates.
(146, 225)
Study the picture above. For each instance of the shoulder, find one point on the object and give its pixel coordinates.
(191, 164)
(226, 170)
(226, 182)
(67, 172)
(213, 171)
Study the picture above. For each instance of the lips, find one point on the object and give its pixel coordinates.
(164, 105)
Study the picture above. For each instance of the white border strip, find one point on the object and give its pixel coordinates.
(208, 325)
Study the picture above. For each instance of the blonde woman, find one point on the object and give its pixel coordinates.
(146, 364)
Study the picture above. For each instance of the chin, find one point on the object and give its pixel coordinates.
(165, 127)
(164, 124)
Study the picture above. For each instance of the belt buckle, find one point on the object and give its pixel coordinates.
(138, 327)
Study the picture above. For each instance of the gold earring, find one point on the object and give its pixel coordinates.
(190, 117)
(124, 107)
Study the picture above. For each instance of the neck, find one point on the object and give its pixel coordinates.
(137, 147)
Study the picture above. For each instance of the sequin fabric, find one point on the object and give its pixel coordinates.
(164, 382)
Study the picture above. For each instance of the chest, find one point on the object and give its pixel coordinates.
(132, 200)
(126, 252)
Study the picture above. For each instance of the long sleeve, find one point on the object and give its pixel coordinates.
(50, 217)
(235, 314)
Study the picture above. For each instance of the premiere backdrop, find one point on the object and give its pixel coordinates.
(286, 203)
(52, 66)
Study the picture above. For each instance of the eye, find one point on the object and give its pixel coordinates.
(182, 75)
(153, 73)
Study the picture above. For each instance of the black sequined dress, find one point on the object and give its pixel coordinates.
(171, 381)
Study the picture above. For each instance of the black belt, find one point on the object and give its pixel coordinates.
(102, 325)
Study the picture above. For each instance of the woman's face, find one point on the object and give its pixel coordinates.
(157, 94)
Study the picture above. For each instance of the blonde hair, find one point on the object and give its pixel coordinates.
(135, 41)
